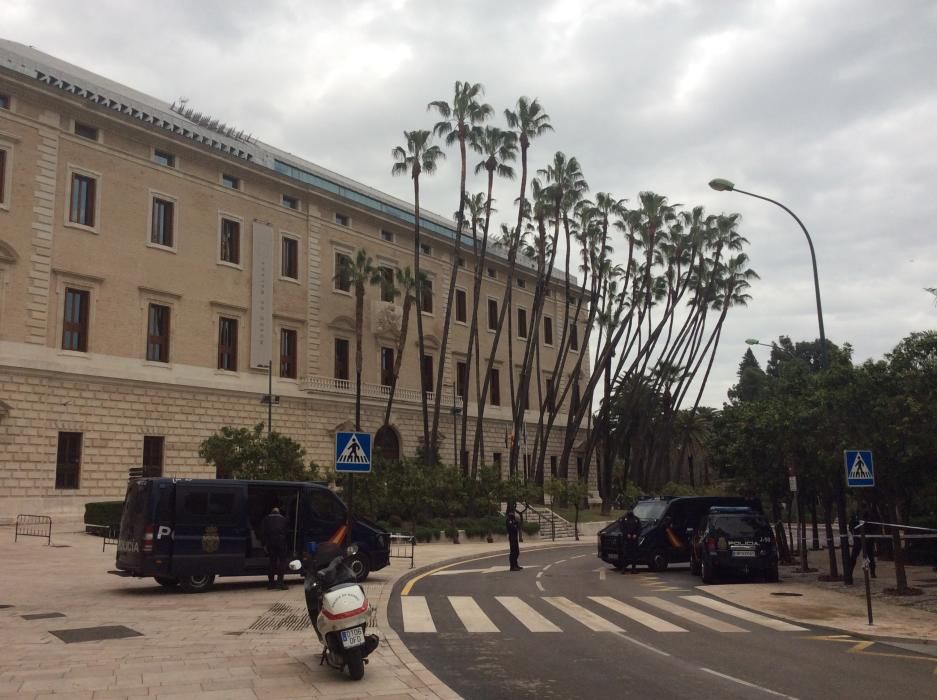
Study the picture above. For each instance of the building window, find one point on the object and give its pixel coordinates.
(342, 277)
(496, 459)
(575, 400)
(461, 379)
(157, 333)
(81, 210)
(288, 358)
(387, 235)
(387, 284)
(3, 174)
(230, 181)
(289, 202)
(342, 219)
(425, 249)
(228, 344)
(387, 366)
(547, 330)
(492, 315)
(426, 296)
(551, 398)
(341, 359)
(164, 158)
(426, 373)
(68, 461)
(230, 241)
(153, 455)
(573, 337)
(75, 323)
(460, 306)
(495, 388)
(492, 273)
(522, 323)
(161, 225)
(4, 101)
(578, 466)
(553, 465)
(289, 257)
(521, 283)
(460, 261)
(86, 132)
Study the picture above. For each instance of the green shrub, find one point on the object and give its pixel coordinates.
(426, 534)
(103, 513)
(531, 528)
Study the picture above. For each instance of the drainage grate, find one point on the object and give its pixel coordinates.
(281, 617)
(95, 634)
(790, 595)
(41, 616)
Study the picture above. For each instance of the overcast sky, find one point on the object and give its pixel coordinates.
(828, 106)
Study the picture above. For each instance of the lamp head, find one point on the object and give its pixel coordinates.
(722, 185)
(752, 341)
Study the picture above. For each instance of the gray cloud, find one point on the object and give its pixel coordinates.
(828, 107)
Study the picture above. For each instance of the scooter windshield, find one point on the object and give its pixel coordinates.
(335, 574)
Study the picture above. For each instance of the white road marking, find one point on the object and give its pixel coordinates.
(691, 615)
(540, 586)
(746, 683)
(639, 616)
(581, 615)
(727, 609)
(416, 616)
(489, 570)
(643, 645)
(472, 616)
(526, 615)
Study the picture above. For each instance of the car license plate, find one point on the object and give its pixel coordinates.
(353, 637)
(743, 553)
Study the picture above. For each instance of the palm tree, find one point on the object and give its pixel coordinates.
(360, 272)
(459, 123)
(419, 156)
(404, 285)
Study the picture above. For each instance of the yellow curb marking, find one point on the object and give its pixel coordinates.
(416, 579)
(860, 648)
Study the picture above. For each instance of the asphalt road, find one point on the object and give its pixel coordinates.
(569, 626)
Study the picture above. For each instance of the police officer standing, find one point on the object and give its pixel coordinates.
(273, 534)
(513, 529)
(630, 528)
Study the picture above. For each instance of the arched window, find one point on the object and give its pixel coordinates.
(388, 443)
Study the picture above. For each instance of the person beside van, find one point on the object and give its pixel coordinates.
(630, 528)
(273, 533)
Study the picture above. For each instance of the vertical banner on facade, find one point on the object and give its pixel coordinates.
(262, 295)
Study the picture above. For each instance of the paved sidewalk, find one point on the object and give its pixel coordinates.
(239, 641)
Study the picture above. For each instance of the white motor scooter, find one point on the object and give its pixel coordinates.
(338, 608)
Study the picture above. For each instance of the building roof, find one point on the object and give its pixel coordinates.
(202, 129)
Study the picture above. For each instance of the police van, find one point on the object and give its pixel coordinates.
(667, 527)
(186, 532)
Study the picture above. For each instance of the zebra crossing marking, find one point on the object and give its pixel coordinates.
(416, 615)
(581, 615)
(639, 616)
(742, 614)
(471, 615)
(526, 615)
(691, 615)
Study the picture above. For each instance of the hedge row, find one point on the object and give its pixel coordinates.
(103, 513)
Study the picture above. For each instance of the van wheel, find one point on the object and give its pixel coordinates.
(360, 566)
(695, 568)
(709, 571)
(658, 561)
(196, 584)
(167, 581)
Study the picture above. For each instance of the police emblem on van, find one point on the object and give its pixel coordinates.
(210, 540)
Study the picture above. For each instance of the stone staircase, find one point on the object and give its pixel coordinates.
(550, 523)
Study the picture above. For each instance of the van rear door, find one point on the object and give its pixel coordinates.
(133, 520)
(210, 532)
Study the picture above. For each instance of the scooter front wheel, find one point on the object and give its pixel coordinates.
(355, 663)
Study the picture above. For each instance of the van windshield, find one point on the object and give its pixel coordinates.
(650, 511)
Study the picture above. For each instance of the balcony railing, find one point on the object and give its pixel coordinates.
(330, 385)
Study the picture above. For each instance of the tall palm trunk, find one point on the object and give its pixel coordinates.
(419, 310)
(398, 360)
(359, 331)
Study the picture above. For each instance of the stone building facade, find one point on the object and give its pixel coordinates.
(152, 263)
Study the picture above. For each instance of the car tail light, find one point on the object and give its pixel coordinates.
(723, 544)
(148, 539)
(711, 544)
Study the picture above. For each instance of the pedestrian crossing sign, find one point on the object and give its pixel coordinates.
(353, 452)
(859, 469)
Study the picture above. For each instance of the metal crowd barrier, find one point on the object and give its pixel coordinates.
(107, 533)
(399, 546)
(33, 526)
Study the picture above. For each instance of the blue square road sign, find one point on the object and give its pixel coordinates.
(859, 468)
(353, 453)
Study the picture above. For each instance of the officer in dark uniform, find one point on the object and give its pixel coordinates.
(513, 529)
(273, 533)
(630, 528)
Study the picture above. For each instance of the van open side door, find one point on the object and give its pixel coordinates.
(210, 531)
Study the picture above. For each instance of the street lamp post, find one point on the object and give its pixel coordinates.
(723, 185)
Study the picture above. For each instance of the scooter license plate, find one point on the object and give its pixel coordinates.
(353, 637)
